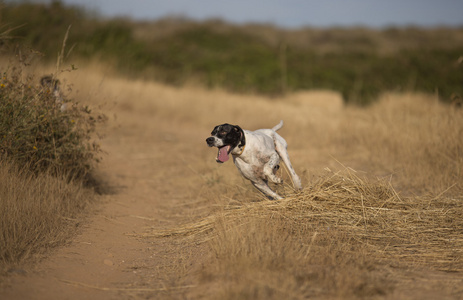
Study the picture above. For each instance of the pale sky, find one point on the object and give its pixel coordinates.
(290, 13)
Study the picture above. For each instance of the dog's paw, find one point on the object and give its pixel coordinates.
(297, 183)
(276, 179)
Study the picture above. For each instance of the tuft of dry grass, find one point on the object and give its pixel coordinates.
(37, 212)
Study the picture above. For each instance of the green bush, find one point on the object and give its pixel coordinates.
(232, 60)
(35, 132)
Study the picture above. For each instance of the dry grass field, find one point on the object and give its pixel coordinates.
(37, 213)
(379, 216)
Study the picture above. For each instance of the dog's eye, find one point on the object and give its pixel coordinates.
(223, 133)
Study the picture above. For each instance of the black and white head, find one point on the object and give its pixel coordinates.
(226, 137)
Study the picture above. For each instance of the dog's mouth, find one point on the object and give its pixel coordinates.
(223, 154)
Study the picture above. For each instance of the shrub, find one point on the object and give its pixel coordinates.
(35, 132)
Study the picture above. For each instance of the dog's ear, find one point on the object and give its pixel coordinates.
(242, 140)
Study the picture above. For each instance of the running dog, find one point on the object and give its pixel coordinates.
(256, 154)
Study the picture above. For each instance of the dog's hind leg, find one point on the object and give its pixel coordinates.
(281, 147)
(266, 190)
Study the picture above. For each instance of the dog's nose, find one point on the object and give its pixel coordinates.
(210, 140)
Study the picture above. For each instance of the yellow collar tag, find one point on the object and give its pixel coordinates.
(242, 150)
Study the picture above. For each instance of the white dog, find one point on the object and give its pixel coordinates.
(256, 154)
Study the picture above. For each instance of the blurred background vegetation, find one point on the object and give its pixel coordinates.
(358, 62)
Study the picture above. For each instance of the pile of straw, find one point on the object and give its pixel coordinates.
(420, 229)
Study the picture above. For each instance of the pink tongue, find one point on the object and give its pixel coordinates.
(223, 154)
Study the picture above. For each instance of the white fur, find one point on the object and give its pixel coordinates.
(263, 150)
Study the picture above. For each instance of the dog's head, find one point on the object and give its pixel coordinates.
(226, 137)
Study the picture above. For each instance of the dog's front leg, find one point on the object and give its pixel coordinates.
(269, 168)
(265, 189)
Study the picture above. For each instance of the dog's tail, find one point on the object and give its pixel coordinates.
(278, 126)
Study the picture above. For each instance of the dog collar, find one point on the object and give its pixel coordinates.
(242, 150)
(242, 142)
